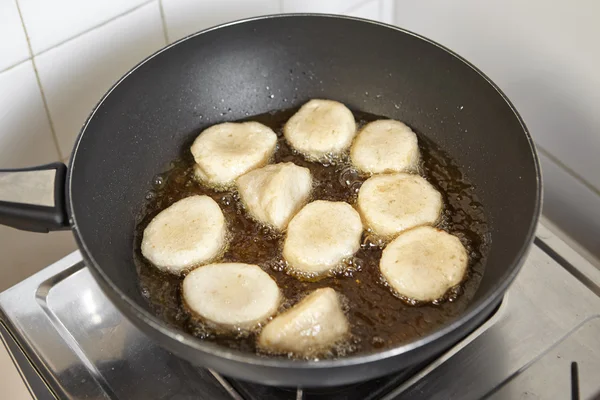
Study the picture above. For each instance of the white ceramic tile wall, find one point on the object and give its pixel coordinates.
(369, 10)
(76, 74)
(25, 253)
(545, 56)
(379, 10)
(79, 49)
(13, 44)
(50, 22)
(184, 17)
(571, 205)
(25, 140)
(319, 6)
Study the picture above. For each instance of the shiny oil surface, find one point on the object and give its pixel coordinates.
(378, 318)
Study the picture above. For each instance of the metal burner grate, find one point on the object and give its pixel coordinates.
(70, 342)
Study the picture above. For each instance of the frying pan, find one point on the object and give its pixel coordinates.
(249, 67)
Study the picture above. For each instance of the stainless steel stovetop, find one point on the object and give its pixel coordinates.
(542, 343)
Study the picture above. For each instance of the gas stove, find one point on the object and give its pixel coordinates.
(543, 342)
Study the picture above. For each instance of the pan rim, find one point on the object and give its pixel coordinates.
(146, 317)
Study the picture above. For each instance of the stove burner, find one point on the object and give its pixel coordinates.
(370, 390)
(70, 342)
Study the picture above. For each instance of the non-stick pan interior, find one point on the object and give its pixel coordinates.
(225, 74)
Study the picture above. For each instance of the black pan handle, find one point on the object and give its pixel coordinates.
(33, 199)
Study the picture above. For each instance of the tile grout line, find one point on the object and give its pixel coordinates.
(39, 82)
(16, 64)
(163, 20)
(568, 170)
(91, 28)
(31, 55)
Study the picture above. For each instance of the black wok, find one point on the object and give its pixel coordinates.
(149, 117)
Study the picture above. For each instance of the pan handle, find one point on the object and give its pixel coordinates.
(33, 199)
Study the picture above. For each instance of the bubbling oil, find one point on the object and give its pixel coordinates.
(378, 318)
